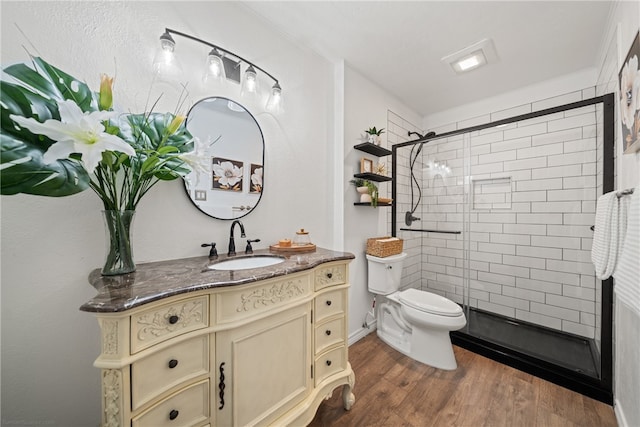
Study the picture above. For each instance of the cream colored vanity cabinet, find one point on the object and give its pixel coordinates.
(261, 353)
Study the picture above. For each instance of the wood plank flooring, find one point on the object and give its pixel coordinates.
(394, 390)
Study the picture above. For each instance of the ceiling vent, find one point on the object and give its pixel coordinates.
(472, 57)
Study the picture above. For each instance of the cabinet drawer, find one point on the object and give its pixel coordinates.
(165, 369)
(330, 276)
(328, 334)
(329, 363)
(330, 303)
(188, 407)
(167, 321)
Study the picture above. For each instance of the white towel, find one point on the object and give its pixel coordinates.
(627, 273)
(604, 250)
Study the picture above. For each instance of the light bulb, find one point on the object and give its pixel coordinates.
(274, 103)
(165, 64)
(214, 68)
(250, 82)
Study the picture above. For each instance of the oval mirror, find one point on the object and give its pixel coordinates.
(234, 149)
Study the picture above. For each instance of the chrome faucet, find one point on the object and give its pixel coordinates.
(232, 243)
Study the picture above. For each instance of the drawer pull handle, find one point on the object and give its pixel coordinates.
(328, 362)
(173, 414)
(173, 319)
(221, 386)
(329, 275)
(328, 332)
(173, 363)
(328, 302)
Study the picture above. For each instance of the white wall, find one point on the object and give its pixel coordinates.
(366, 105)
(623, 25)
(477, 113)
(49, 246)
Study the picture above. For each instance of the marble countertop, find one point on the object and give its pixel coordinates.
(157, 280)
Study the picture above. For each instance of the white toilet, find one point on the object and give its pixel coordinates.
(414, 322)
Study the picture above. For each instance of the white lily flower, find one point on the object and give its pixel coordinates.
(196, 159)
(77, 132)
(228, 173)
(629, 92)
(256, 177)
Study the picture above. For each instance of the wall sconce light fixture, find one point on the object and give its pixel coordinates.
(220, 64)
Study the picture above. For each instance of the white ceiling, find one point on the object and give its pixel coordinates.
(399, 44)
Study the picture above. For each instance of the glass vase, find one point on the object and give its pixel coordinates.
(119, 259)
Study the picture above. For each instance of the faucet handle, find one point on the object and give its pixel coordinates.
(213, 253)
(249, 249)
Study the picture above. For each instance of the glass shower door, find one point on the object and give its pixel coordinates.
(531, 202)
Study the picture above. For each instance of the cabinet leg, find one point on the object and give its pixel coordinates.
(348, 398)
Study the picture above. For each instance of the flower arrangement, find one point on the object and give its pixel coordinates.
(59, 138)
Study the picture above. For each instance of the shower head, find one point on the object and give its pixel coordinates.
(425, 136)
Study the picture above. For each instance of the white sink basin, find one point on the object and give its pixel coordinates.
(246, 263)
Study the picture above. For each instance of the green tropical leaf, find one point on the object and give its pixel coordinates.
(23, 171)
(147, 132)
(54, 83)
(166, 175)
(167, 149)
(34, 94)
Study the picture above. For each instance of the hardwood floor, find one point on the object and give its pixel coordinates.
(394, 390)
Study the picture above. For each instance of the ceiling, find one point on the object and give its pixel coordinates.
(399, 45)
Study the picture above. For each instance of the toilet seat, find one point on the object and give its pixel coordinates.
(429, 303)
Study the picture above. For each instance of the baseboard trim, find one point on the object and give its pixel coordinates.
(617, 408)
(361, 333)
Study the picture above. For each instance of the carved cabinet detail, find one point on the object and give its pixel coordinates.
(261, 353)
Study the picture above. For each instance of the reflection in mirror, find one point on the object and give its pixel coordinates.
(234, 147)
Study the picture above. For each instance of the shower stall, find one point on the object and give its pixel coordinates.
(499, 218)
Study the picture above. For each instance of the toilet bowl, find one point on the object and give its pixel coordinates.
(414, 322)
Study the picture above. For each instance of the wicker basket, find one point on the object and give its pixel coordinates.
(381, 249)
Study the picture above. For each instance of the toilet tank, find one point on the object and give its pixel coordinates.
(385, 273)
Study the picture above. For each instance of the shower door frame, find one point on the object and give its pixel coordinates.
(597, 388)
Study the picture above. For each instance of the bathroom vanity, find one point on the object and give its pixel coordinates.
(184, 345)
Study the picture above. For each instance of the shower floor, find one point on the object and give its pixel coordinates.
(566, 350)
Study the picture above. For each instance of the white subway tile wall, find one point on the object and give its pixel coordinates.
(398, 132)
(530, 200)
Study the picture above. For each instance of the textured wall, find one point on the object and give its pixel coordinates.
(49, 246)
